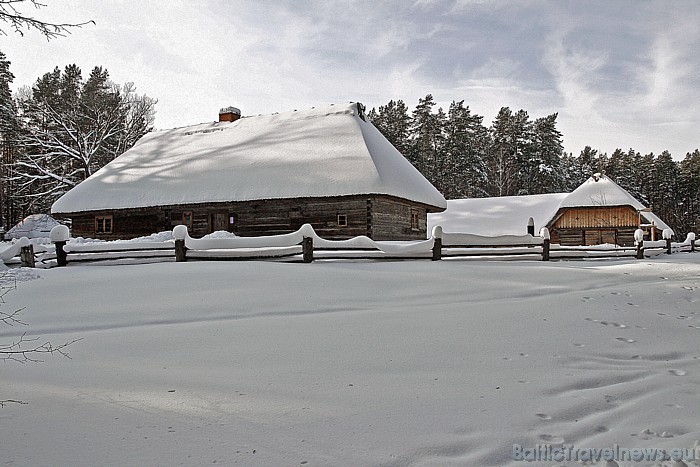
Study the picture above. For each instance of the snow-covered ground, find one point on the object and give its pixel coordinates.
(342, 363)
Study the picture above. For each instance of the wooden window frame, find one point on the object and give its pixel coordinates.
(185, 216)
(342, 220)
(415, 220)
(101, 223)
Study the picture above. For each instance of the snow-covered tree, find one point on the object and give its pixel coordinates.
(541, 166)
(466, 143)
(663, 195)
(689, 190)
(509, 141)
(8, 135)
(393, 121)
(72, 128)
(426, 137)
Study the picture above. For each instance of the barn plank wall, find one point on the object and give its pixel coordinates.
(379, 217)
(596, 225)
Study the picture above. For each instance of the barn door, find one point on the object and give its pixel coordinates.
(608, 236)
(600, 236)
(218, 221)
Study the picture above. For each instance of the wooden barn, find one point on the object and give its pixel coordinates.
(600, 211)
(597, 212)
(263, 175)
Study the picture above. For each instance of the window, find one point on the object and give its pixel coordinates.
(342, 220)
(231, 219)
(103, 224)
(414, 219)
(187, 218)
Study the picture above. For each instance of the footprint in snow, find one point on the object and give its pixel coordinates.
(624, 339)
(579, 345)
(678, 372)
(632, 304)
(552, 439)
(543, 416)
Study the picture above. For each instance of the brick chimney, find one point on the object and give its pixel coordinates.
(229, 114)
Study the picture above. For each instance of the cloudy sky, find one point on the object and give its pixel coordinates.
(619, 73)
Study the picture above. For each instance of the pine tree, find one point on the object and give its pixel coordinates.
(427, 140)
(544, 174)
(466, 143)
(502, 161)
(664, 199)
(393, 121)
(8, 136)
(689, 190)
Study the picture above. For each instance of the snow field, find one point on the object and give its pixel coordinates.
(330, 363)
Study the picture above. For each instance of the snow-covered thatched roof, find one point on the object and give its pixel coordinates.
(508, 215)
(503, 215)
(329, 151)
(32, 226)
(599, 190)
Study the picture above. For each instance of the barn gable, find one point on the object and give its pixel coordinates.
(600, 211)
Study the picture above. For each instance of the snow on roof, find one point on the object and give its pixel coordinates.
(32, 226)
(505, 215)
(508, 215)
(600, 190)
(329, 151)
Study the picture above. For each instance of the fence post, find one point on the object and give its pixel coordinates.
(59, 236)
(26, 256)
(667, 234)
(61, 255)
(180, 251)
(691, 240)
(307, 249)
(437, 243)
(546, 239)
(639, 242)
(180, 234)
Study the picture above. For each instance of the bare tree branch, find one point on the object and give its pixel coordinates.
(18, 351)
(20, 22)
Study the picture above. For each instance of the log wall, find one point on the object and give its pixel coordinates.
(378, 217)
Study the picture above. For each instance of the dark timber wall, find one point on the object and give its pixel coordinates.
(379, 217)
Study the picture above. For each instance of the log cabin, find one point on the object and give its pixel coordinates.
(259, 175)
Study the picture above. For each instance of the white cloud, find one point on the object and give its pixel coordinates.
(617, 74)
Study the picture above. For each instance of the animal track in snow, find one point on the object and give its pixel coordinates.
(624, 339)
(543, 416)
(678, 372)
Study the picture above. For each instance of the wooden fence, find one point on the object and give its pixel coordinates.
(306, 246)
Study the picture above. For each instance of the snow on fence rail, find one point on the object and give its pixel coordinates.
(305, 245)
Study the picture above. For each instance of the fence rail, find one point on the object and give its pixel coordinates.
(305, 245)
